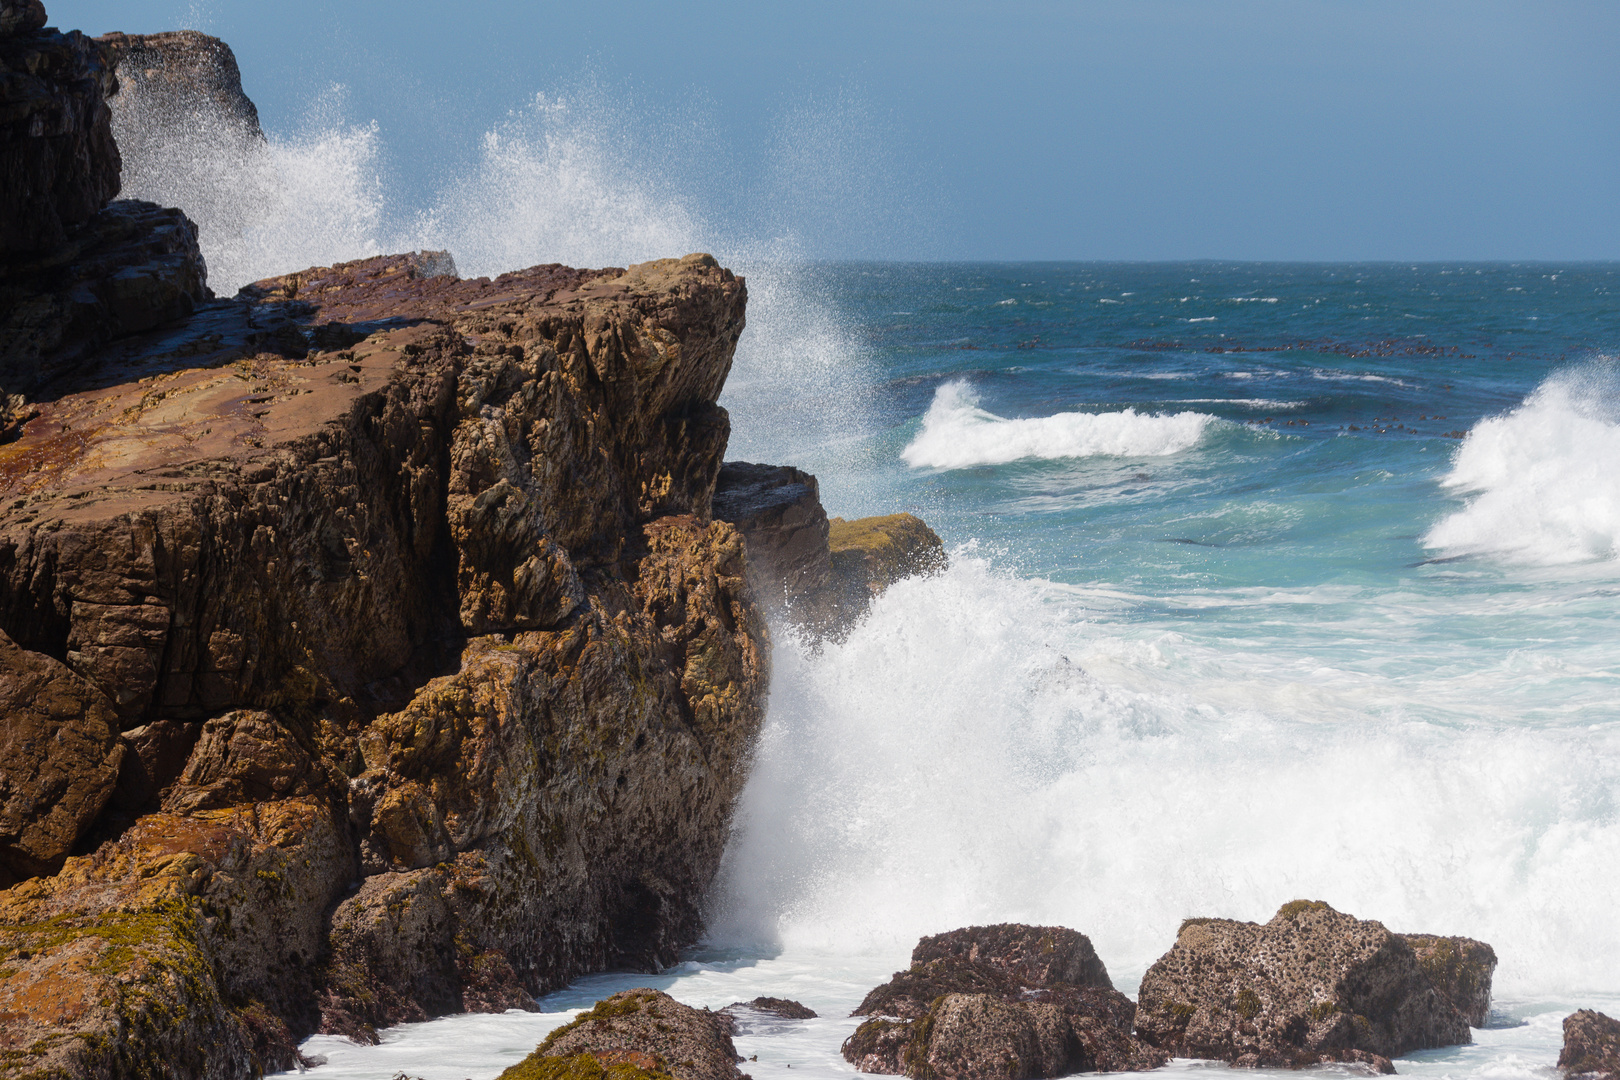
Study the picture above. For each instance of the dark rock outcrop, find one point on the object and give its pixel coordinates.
(58, 162)
(778, 510)
(1009, 1001)
(1591, 1046)
(1461, 969)
(820, 574)
(131, 268)
(415, 583)
(59, 742)
(75, 273)
(782, 1008)
(648, 1031)
(1312, 985)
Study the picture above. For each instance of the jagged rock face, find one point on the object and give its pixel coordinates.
(646, 1029)
(873, 553)
(132, 267)
(59, 742)
(1309, 986)
(1591, 1046)
(1461, 969)
(58, 162)
(778, 510)
(1008, 1001)
(415, 583)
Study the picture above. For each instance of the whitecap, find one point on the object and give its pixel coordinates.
(957, 434)
(1543, 481)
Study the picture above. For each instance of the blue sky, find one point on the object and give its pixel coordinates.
(1092, 129)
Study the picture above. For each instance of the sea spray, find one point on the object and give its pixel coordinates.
(262, 205)
(982, 749)
(957, 434)
(1542, 481)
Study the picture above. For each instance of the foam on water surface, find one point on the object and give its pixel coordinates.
(957, 433)
(1542, 481)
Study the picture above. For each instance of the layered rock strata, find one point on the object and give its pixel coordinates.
(1007, 1001)
(1313, 985)
(384, 656)
(1591, 1048)
(634, 1035)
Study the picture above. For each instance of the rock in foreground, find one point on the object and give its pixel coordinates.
(635, 1034)
(1313, 985)
(1591, 1046)
(1007, 1001)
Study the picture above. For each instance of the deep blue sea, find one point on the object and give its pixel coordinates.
(1267, 582)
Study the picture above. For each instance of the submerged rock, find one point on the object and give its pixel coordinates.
(784, 1008)
(1591, 1046)
(1312, 985)
(1010, 1001)
(634, 1034)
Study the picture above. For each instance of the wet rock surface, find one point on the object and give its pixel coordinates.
(1312, 985)
(644, 1030)
(1591, 1046)
(176, 78)
(782, 1008)
(1009, 1000)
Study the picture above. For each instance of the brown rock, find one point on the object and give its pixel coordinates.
(1032, 955)
(58, 162)
(1591, 1046)
(1312, 985)
(778, 510)
(1008, 1000)
(650, 1031)
(1461, 969)
(820, 575)
(876, 552)
(60, 749)
(426, 567)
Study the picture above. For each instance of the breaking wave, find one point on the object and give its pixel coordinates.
(1542, 482)
(957, 434)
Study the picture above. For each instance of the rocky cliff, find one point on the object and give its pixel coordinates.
(370, 653)
(370, 648)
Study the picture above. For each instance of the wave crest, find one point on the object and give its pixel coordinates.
(1543, 478)
(957, 434)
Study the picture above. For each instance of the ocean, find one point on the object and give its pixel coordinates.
(1268, 581)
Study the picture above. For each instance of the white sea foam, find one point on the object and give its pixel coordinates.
(979, 751)
(958, 434)
(1543, 481)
